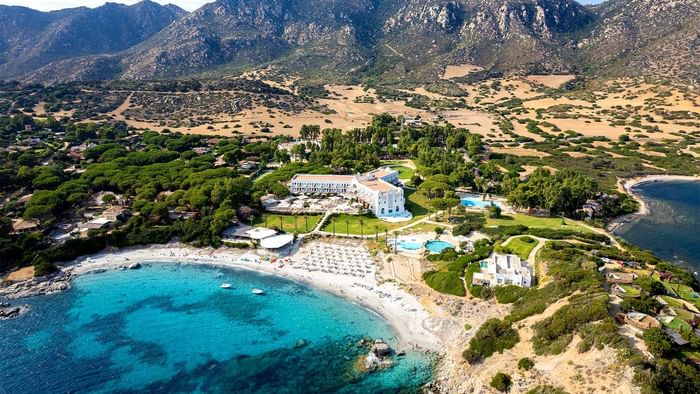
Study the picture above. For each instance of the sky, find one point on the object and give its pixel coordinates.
(49, 5)
(189, 5)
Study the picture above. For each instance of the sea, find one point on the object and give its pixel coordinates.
(672, 228)
(170, 328)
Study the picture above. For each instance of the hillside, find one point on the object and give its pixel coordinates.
(389, 40)
(31, 39)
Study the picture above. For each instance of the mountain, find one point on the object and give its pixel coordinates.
(31, 39)
(649, 37)
(392, 40)
(390, 37)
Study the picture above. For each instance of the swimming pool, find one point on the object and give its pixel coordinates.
(477, 202)
(437, 246)
(408, 244)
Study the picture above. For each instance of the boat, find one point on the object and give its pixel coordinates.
(258, 292)
(225, 286)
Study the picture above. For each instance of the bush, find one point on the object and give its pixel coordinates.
(526, 364)
(493, 336)
(546, 389)
(657, 341)
(43, 267)
(509, 294)
(447, 282)
(501, 382)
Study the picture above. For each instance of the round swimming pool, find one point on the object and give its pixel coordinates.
(408, 244)
(438, 246)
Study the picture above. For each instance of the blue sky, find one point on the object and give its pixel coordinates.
(190, 5)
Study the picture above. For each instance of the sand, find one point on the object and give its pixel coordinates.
(411, 322)
(459, 70)
(21, 274)
(551, 81)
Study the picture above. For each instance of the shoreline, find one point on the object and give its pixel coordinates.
(400, 310)
(626, 185)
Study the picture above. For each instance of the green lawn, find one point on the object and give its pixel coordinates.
(678, 325)
(631, 290)
(416, 203)
(685, 292)
(520, 247)
(304, 223)
(534, 222)
(404, 172)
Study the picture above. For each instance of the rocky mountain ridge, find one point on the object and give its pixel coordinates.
(392, 40)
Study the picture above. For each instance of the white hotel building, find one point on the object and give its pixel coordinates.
(500, 270)
(377, 188)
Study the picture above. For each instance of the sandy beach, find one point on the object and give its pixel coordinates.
(413, 325)
(627, 185)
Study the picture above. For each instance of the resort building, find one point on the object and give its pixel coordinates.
(378, 189)
(501, 269)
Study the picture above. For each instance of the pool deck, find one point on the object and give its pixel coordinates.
(422, 238)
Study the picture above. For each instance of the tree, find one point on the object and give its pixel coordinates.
(439, 231)
(362, 228)
(670, 376)
(376, 233)
(657, 341)
(494, 211)
(5, 226)
(501, 382)
(525, 364)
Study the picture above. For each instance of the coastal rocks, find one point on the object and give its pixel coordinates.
(8, 311)
(38, 286)
(134, 266)
(378, 358)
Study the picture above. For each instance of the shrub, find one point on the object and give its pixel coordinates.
(657, 341)
(447, 282)
(526, 364)
(509, 294)
(501, 382)
(42, 267)
(493, 336)
(546, 389)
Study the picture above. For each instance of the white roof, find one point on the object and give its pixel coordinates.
(100, 220)
(260, 233)
(277, 241)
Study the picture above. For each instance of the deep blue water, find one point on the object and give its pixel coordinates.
(170, 328)
(672, 229)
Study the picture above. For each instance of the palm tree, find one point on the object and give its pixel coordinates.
(281, 227)
(347, 227)
(333, 220)
(386, 237)
(306, 223)
(376, 233)
(295, 223)
(362, 228)
(266, 217)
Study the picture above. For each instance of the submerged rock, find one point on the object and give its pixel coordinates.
(300, 344)
(381, 348)
(10, 312)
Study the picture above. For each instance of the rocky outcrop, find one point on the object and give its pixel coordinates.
(38, 286)
(8, 311)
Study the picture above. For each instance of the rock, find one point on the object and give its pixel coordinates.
(381, 348)
(134, 266)
(11, 312)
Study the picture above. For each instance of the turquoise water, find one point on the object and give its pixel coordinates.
(437, 246)
(671, 228)
(476, 202)
(406, 244)
(170, 328)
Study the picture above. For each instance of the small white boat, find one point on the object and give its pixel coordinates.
(258, 292)
(225, 286)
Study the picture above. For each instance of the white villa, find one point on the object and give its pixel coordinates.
(501, 269)
(377, 188)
